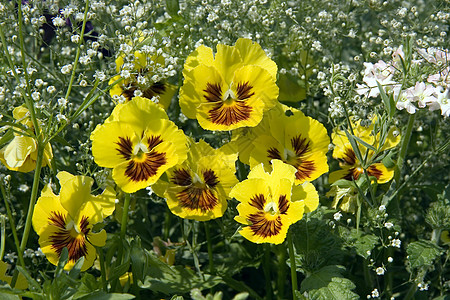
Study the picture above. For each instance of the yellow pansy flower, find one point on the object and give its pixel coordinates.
(141, 79)
(297, 140)
(270, 202)
(140, 143)
(351, 168)
(21, 152)
(199, 187)
(231, 89)
(66, 220)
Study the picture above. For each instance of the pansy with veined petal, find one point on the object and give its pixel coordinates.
(66, 220)
(351, 166)
(270, 202)
(231, 89)
(140, 79)
(198, 188)
(140, 143)
(297, 140)
(21, 152)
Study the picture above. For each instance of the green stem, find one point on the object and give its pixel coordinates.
(404, 147)
(281, 271)
(167, 218)
(293, 266)
(102, 269)
(3, 235)
(266, 270)
(77, 55)
(13, 227)
(34, 193)
(28, 100)
(210, 252)
(123, 224)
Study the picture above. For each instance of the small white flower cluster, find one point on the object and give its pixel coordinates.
(374, 294)
(434, 94)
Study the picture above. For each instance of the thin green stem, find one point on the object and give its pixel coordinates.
(123, 224)
(34, 193)
(281, 271)
(266, 270)
(102, 269)
(293, 265)
(210, 252)
(404, 146)
(77, 55)
(13, 226)
(3, 235)
(28, 100)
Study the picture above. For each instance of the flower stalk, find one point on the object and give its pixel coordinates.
(293, 265)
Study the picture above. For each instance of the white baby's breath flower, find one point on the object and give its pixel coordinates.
(36, 96)
(337, 216)
(23, 188)
(66, 69)
(62, 102)
(100, 75)
(388, 225)
(396, 243)
(75, 38)
(51, 89)
(58, 21)
(61, 117)
(125, 74)
(380, 271)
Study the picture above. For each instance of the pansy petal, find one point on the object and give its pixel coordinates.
(227, 60)
(74, 193)
(252, 54)
(106, 141)
(204, 85)
(201, 55)
(45, 207)
(306, 193)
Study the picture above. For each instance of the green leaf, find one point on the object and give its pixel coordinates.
(422, 253)
(343, 183)
(75, 271)
(365, 144)
(105, 296)
(385, 99)
(138, 260)
(328, 283)
(63, 258)
(338, 288)
(7, 137)
(172, 7)
(387, 161)
(5, 296)
(365, 243)
(351, 139)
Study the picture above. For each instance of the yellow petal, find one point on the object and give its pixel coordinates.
(307, 194)
(201, 55)
(18, 150)
(226, 61)
(43, 211)
(75, 192)
(253, 54)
